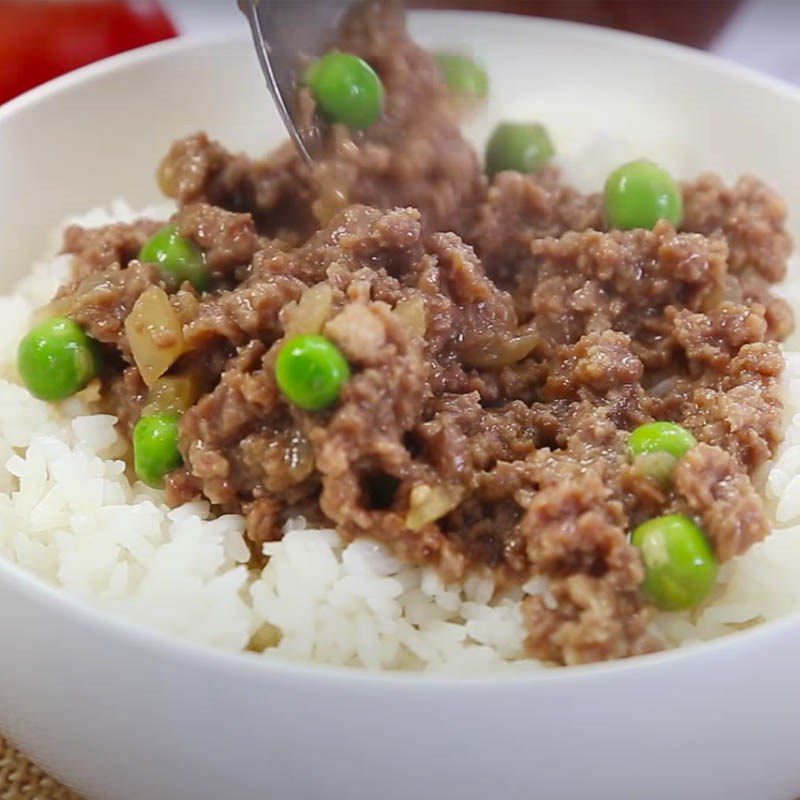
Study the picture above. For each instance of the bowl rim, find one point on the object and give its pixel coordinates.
(57, 600)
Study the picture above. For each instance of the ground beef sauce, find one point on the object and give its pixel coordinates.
(502, 343)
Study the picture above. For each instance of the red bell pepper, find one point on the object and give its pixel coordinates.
(41, 39)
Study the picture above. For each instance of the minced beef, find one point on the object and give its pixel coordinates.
(503, 343)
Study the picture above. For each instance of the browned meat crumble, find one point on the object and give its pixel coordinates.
(503, 343)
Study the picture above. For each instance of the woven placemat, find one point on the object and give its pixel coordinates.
(21, 779)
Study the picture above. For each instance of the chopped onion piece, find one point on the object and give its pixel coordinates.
(330, 202)
(167, 178)
(412, 314)
(496, 352)
(312, 311)
(172, 393)
(155, 334)
(429, 503)
(265, 637)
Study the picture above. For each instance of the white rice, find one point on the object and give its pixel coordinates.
(70, 513)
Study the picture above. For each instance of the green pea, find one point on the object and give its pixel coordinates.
(464, 76)
(155, 447)
(519, 146)
(179, 259)
(680, 567)
(311, 371)
(639, 194)
(346, 89)
(57, 359)
(661, 437)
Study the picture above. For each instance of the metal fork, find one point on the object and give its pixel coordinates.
(284, 32)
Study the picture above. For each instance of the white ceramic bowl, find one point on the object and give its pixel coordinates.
(125, 714)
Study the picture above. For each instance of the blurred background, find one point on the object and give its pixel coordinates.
(40, 39)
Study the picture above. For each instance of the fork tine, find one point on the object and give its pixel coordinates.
(284, 31)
